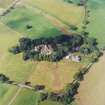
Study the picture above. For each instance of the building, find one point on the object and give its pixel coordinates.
(72, 57)
(44, 49)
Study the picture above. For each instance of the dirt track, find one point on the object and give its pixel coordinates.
(92, 89)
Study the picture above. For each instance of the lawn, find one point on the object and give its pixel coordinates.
(97, 21)
(54, 76)
(20, 17)
(68, 13)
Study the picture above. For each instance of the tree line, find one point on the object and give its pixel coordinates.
(61, 45)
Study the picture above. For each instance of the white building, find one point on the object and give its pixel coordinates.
(74, 58)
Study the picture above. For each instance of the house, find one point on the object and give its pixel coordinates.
(69, 56)
(44, 49)
(74, 58)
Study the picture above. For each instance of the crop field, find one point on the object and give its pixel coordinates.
(72, 14)
(97, 20)
(54, 76)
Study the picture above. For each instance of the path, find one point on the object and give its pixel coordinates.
(92, 89)
(17, 93)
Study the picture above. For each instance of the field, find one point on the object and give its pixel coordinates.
(6, 4)
(12, 27)
(96, 28)
(27, 97)
(6, 93)
(91, 89)
(72, 14)
(19, 18)
(54, 76)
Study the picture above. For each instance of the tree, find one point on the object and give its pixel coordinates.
(43, 96)
(3, 78)
(85, 49)
(70, 91)
(73, 27)
(79, 76)
(28, 26)
(15, 49)
(25, 44)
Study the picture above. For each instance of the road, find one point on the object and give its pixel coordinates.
(92, 89)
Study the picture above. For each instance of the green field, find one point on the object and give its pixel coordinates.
(19, 18)
(50, 103)
(9, 64)
(97, 20)
(6, 93)
(72, 14)
(27, 97)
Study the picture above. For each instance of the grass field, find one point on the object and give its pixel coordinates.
(97, 20)
(11, 65)
(48, 102)
(54, 76)
(68, 13)
(27, 97)
(19, 18)
(6, 93)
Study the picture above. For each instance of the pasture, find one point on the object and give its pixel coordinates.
(96, 28)
(6, 93)
(27, 97)
(12, 66)
(48, 102)
(19, 18)
(70, 14)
